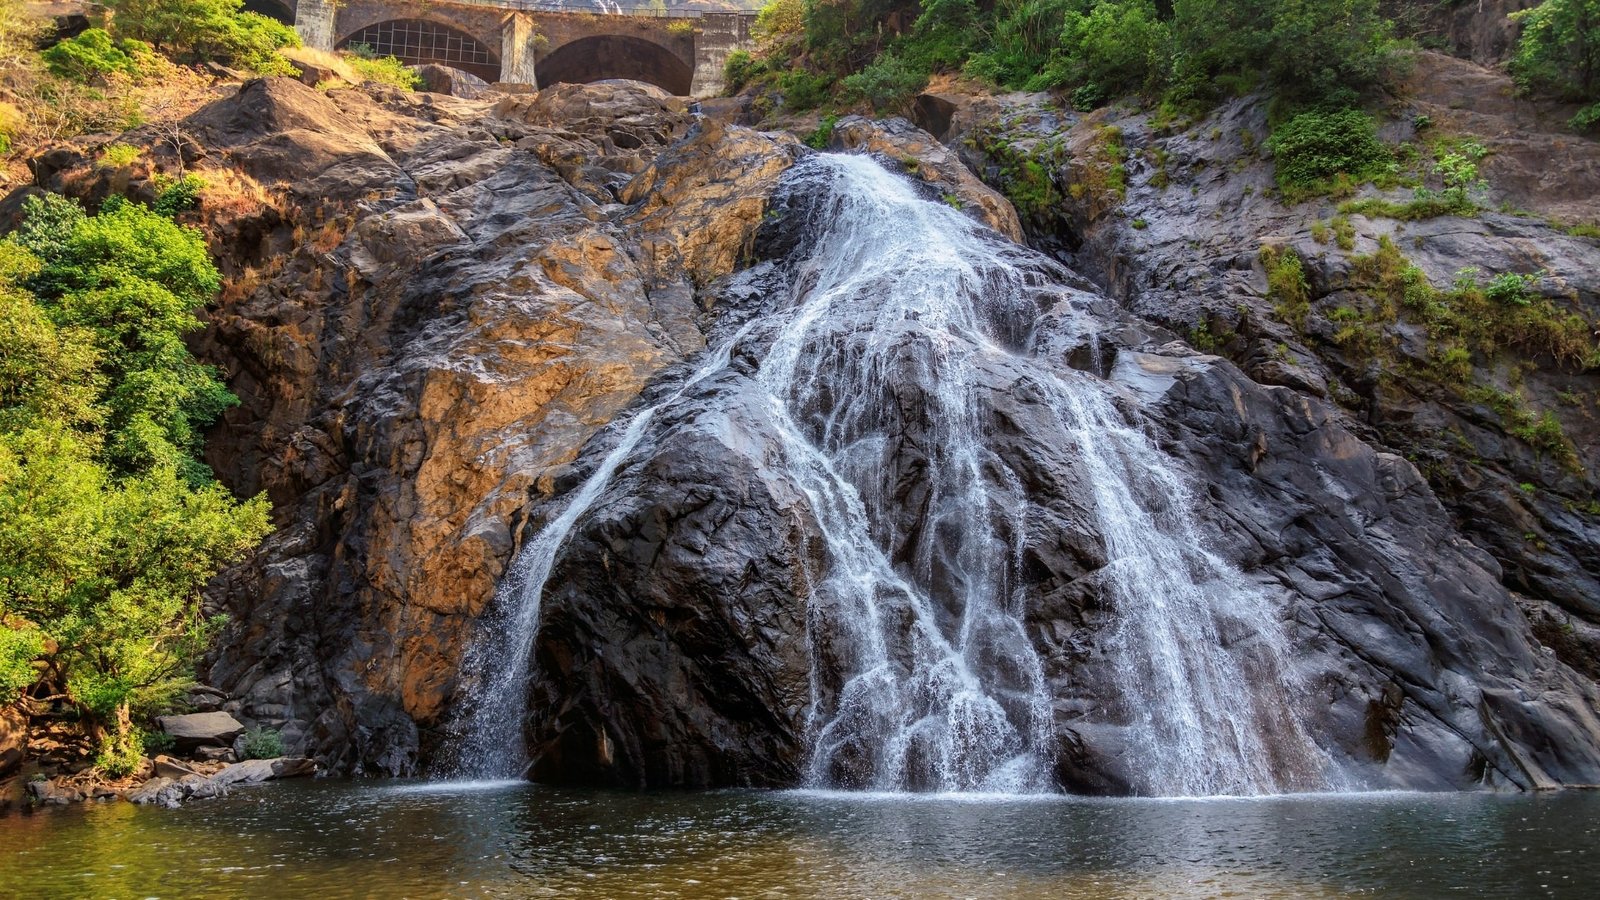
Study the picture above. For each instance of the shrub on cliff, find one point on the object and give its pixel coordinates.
(1315, 148)
(109, 523)
(384, 70)
(1559, 54)
(207, 30)
(95, 55)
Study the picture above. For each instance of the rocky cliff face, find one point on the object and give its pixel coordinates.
(437, 305)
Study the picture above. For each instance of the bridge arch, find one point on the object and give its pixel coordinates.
(605, 56)
(282, 10)
(418, 42)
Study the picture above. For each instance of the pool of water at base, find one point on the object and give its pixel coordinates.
(329, 839)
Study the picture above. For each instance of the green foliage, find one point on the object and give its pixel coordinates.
(1286, 285)
(887, 84)
(780, 26)
(121, 751)
(803, 90)
(93, 55)
(1112, 48)
(1024, 175)
(109, 524)
(182, 194)
(262, 743)
(819, 138)
(1426, 207)
(1312, 149)
(117, 156)
(385, 70)
(882, 51)
(1559, 54)
(132, 278)
(158, 741)
(739, 70)
(1511, 288)
(20, 645)
(1586, 119)
(1305, 49)
(207, 30)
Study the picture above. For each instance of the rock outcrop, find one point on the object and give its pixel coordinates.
(670, 652)
(194, 729)
(437, 304)
(173, 785)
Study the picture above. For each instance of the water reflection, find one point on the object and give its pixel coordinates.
(339, 839)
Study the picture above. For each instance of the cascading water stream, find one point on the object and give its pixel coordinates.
(489, 742)
(923, 674)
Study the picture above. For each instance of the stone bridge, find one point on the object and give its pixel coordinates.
(530, 41)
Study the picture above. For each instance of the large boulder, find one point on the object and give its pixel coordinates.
(449, 80)
(217, 729)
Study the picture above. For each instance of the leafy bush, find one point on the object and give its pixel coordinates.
(1115, 47)
(93, 55)
(1559, 51)
(888, 84)
(116, 156)
(180, 195)
(1314, 147)
(1586, 119)
(262, 743)
(819, 138)
(803, 90)
(158, 741)
(739, 70)
(20, 645)
(1286, 285)
(207, 30)
(121, 752)
(386, 70)
(1511, 288)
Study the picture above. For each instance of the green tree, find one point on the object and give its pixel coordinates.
(132, 279)
(1116, 47)
(109, 526)
(1559, 53)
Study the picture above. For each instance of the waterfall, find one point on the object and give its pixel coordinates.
(923, 673)
(488, 741)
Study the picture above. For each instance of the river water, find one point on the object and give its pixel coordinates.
(332, 839)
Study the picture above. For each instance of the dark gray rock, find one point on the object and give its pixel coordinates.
(194, 729)
(669, 655)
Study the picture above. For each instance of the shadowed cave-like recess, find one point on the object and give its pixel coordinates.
(615, 56)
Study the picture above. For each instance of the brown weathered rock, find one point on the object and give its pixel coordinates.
(448, 298)
(13, 739)
(167, 767)
(52, 792)
(439, 79)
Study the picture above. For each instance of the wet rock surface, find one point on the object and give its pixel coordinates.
(1421, 671)
(438, 304)
(435, 302)
(1182, 249)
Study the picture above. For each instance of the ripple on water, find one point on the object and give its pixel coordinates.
(336, 839)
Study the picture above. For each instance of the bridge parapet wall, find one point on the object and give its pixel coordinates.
(520, 34)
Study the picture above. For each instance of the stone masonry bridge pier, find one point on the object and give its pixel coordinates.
(531, 42)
